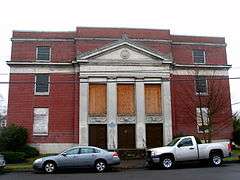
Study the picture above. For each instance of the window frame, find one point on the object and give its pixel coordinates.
(35, 86)
(204, 56)
(42, 60)
(196, 88)
(40, 134)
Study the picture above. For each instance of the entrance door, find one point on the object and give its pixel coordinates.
(126, 136)
(98, 135)
(154, 135)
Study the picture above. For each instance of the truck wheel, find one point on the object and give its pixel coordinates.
(167, 162)
(215, 160)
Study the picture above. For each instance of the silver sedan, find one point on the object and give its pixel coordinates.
(2, 162)
(78, 157)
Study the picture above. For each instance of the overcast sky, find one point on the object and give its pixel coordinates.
(185, 17)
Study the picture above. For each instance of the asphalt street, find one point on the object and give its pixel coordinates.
(226, 172)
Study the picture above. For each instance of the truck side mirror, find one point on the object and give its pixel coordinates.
(179, 145)
(64, 154)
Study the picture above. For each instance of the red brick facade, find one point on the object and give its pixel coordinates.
(63, 100)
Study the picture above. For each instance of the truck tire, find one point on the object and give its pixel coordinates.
(167, 162)
(215, 159)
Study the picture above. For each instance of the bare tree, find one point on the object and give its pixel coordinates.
(206, 102)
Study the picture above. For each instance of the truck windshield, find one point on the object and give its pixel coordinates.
(173, 142)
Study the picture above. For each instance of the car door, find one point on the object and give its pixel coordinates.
(88, 155)
(69, 158)
(186, 150)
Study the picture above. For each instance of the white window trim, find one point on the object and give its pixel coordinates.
(41, 93)
(50, 54)
(204, 56)
(201, 93)
(41, 134)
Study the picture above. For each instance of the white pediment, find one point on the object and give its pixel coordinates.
(125, 54)
(122, 51)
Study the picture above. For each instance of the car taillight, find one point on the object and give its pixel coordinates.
(115, 154)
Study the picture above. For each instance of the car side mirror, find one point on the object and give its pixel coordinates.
(64, 154)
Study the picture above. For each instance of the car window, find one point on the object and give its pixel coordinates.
(185, 142)
(72, 151)
(88, 150)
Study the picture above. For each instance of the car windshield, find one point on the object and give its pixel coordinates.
(173, 142)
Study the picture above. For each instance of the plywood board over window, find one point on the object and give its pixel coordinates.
(153, 99)
(125, 100)
(97, 100)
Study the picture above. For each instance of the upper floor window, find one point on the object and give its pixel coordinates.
(201, 85)
(43, 53)
(199, 56)
(42, 84)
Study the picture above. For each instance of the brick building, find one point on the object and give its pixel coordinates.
(115, 88)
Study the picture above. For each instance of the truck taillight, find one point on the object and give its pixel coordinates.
(115, 154)
(229, 147)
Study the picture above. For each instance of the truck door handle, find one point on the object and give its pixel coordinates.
(191, 148)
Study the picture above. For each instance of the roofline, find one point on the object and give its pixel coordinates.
(131, 28)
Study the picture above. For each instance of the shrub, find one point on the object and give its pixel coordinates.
(14, 157)
(12, 138)
(29, 151)
(236, 130)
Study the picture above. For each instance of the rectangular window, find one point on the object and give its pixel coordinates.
(201, 85)
(125, 100)
(202, 119)
(40, 124)
(42, 84)
(43, 53)
(199, 56)
(97, 100)
(152, 99)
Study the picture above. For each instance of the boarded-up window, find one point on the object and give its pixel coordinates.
(97, 100)
(125, 99)
(202, 119)
(153, 99)
(40, 124)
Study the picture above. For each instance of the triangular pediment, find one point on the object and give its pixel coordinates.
(123, 50)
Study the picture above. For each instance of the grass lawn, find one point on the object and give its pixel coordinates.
(235, 156)
(23, 166)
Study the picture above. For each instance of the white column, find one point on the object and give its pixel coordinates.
(140, 124)
(167, 112)
(83, 112)
(112, 114)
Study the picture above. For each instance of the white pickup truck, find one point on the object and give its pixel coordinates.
(187, 149)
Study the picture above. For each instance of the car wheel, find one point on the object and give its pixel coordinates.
(49, 167)
(100, 166)
(215, 160)
(167, 162)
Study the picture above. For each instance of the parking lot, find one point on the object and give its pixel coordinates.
(185, 172)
